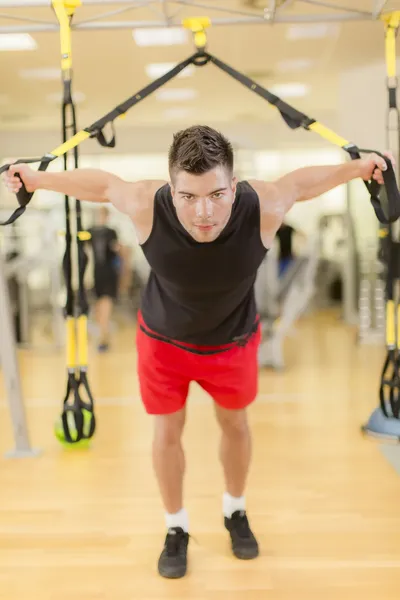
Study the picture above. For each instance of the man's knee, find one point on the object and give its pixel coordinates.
(233, 422)
(169, 428)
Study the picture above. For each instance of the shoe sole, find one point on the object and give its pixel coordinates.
(172, 575)
(249, 555)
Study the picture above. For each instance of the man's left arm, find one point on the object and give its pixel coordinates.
(278, 197)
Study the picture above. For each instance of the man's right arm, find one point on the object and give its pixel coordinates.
(92, 185)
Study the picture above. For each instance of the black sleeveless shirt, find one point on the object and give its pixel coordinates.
(203, 293)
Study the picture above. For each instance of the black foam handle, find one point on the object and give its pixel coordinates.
(389, 188)
(392, 191)
(23, 196)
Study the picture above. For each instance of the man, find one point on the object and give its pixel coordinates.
(104, 242)
(204, 235)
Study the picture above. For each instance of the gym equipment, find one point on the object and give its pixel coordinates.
(371, 327)
(384, 422)
(18, 265)
(9, 363)
(77, 423)
(385, 199)
(293, 299)
(270, 12)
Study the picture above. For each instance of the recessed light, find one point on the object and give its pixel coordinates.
(57, 97)
(159, 36)
(156, 70)
(16, 41)
(314, 31)
(290, 90)
(176, 94)
(44, 74)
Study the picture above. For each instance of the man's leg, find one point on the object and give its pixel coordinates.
(233, 384)
(104, 307)
(235, 456)
(235, 449)
(169, 466)
(169, 462)
(164, 385)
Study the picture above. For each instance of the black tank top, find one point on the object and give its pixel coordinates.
(202, 293)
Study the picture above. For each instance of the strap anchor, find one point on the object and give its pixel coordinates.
(197, 26)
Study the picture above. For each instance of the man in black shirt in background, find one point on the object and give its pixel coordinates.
(104, 241)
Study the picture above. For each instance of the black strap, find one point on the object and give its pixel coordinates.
(96, 128)
(23, 196)
(384, 199)
(292, 117)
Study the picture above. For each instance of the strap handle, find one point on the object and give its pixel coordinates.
(78, 420)
(385, 199)
(23, 196)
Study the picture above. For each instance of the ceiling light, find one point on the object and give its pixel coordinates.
(16, 41)
(57, 97)
(44, 74)
(157, 36)
(314, 31)
(295, 64)
(156, 70)
(176, 94)
(290, 90)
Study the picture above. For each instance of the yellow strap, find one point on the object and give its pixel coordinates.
(398, 327)
(390, 324)
(82, 341)
(328, 134)
(392, 21)
(197, 26)
(79, 137)
(65, 9)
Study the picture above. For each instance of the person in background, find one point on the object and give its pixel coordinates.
(286, 253)
(106, 249)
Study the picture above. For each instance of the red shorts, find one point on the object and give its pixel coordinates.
(165, 372)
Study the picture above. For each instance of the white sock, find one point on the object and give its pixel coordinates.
(179, 519)
(230, 504)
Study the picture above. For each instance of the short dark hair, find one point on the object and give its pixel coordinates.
(199, 149)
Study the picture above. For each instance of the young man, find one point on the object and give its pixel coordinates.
(204, 235)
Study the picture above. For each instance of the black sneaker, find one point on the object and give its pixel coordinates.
(173, 559)
(244, 544)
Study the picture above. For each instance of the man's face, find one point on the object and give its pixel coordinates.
(203, 203)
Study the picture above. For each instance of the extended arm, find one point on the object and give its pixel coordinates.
(92, 185)
(278, 197)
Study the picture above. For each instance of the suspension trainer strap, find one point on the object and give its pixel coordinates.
(96, 129)
(384, 199)
(77, 418)
(389, 390)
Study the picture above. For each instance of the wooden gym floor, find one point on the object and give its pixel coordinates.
(323, 501)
